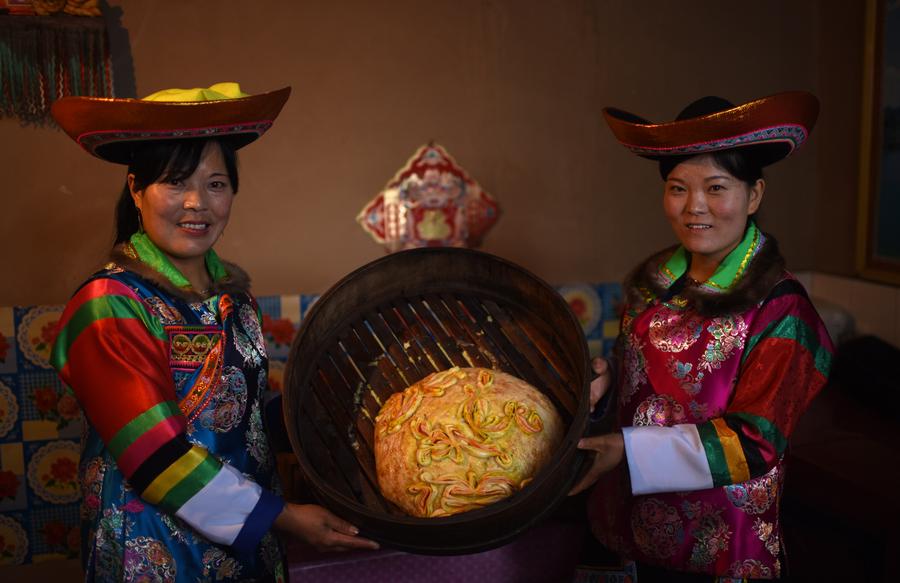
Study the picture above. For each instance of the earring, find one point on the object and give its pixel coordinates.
(140, 221)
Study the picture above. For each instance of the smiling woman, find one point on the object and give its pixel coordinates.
(184, 209)
(720, 353)
(164, 351)
(707, 207)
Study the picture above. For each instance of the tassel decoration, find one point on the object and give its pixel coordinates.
(45, 58)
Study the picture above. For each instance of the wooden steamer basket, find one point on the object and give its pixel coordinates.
(391, 323)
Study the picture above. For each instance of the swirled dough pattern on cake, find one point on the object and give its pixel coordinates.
(461, 439)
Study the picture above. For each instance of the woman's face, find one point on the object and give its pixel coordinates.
(708, 207)
(184, 218)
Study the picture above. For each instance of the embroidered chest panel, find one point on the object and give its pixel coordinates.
(190, 345)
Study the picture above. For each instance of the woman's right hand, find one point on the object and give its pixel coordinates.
(320, 528)
(600, 385)
(608, 450)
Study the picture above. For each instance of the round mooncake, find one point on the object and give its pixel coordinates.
(461, 439)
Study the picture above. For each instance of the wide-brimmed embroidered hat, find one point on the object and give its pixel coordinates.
(771, 127)
(110, 128)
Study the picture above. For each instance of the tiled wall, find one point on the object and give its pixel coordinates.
(875, 308)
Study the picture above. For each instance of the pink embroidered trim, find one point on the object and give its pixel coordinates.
(96, 138)
(793, 134)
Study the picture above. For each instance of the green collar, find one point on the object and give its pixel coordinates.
(729, 271)
(150, 254)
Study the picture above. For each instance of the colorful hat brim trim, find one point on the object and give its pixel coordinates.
(793, 135)
(114, 145)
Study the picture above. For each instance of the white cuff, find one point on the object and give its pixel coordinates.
(220, 509)
(666, 459)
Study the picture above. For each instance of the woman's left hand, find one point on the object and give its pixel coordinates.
(609, 449)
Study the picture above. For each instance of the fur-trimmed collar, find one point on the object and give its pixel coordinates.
(237, 280)
(644, 284)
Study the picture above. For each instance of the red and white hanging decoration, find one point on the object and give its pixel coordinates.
(430, 202)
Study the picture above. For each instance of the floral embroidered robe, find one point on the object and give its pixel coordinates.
(706, 405)
(176, 474)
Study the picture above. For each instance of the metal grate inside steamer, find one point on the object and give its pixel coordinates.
(392, 347)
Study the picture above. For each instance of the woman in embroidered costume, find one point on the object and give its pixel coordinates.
(720, 353)
(164, 351)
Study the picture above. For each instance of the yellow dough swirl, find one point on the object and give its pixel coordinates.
(461, 439)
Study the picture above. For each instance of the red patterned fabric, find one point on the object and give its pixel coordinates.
(739, 381)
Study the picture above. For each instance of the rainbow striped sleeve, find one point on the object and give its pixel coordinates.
(114, 355)
(786, 362)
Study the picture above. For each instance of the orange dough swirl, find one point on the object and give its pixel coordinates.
(461, 439)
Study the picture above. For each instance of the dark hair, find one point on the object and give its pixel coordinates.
(160, 161)
(738, 162)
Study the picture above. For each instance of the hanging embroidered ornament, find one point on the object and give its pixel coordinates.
(430, 202)
(46, 55)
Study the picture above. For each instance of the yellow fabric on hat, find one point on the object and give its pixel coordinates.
(215, 92)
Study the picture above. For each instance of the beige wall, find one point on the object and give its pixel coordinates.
(513, 89)
(840, 44)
